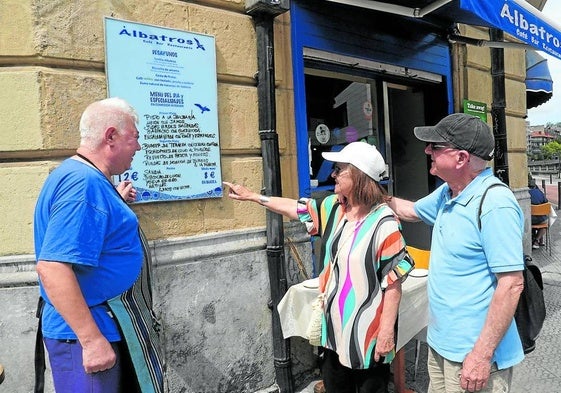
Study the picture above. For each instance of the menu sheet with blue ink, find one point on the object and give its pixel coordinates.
(169, 77)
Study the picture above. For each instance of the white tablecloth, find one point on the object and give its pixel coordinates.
(295, 308)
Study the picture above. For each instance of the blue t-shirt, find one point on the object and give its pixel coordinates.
(80, 219)
(464, 261)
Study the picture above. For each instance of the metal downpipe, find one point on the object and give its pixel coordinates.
(498, 107)
(272, 186)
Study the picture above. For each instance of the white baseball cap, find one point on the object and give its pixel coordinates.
(362, 155)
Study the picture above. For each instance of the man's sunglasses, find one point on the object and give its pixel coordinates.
(437, 146)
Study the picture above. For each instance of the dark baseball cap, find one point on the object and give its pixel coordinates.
(464, 132)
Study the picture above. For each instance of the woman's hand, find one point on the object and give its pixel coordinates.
(241, 193)
(384, 344)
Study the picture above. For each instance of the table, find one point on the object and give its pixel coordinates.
(295, 310)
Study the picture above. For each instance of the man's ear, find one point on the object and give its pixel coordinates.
(463, 157)
(110, 134)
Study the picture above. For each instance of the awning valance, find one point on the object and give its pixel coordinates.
(521, 20)
(515, 17)
(539, 84)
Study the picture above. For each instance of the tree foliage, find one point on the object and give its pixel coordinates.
(552, 149)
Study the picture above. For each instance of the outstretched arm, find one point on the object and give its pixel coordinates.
(403, 208)
(285, 206)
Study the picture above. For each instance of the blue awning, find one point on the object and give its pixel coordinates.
(539, 84)
(515, 17)
(519, 19)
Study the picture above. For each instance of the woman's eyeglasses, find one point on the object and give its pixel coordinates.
(337, 169)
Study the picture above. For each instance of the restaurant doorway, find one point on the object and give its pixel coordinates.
(343, 107)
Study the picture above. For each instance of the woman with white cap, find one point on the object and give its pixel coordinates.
(364, 258)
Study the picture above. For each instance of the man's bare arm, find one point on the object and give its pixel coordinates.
(477, 364)
(61, 285)
(403, 208)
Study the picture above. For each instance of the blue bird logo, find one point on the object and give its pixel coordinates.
(202, 108)
(199, 45)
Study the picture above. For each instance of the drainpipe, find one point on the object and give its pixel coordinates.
(498, 107)
(263, 13)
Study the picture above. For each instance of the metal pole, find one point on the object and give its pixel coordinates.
(498, 108)
(272, 183)
(543, 188)
(558, 195)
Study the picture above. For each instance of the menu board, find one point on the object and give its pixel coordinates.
(169, 77)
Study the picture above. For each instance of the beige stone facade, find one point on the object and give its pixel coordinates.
(52, 58)
(473, 81)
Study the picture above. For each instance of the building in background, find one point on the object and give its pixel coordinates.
(538, 136)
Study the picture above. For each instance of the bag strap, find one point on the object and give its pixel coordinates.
(483, 198)
(39, 350)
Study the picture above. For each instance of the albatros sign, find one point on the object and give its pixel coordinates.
(521, 20)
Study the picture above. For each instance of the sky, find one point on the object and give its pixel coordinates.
(550, 112)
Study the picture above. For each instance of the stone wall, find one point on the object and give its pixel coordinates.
(52, 67)
(473, 81)
(211, 280)
(212, 295)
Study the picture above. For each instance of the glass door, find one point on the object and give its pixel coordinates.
(340, 109)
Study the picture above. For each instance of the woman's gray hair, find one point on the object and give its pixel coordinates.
(98, 116)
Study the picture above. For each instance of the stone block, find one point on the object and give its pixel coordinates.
(249, 172)
(43, 109)
(65, 95)
(515, 63)
(236, 49)
(17, 331)
(22, 183)
(208, 337)
(285, 120)
(517, 178)
(20, 105)
(238, 117)
(17, 38)
(516, 98)
(479, 87)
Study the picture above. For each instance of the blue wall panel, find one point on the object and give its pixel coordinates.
(365, 34)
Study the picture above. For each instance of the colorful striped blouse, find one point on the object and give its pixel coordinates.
(368, 255)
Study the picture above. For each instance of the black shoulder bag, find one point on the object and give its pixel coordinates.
(530, 312)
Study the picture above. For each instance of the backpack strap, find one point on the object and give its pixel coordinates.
(483, 198)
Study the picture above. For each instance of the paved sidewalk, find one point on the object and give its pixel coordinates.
(540, 371)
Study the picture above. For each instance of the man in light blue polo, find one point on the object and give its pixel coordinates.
(475, 273)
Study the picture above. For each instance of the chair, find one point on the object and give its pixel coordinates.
(543, 209)
(421, 258)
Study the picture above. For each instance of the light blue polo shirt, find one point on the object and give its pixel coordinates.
(464, 261)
